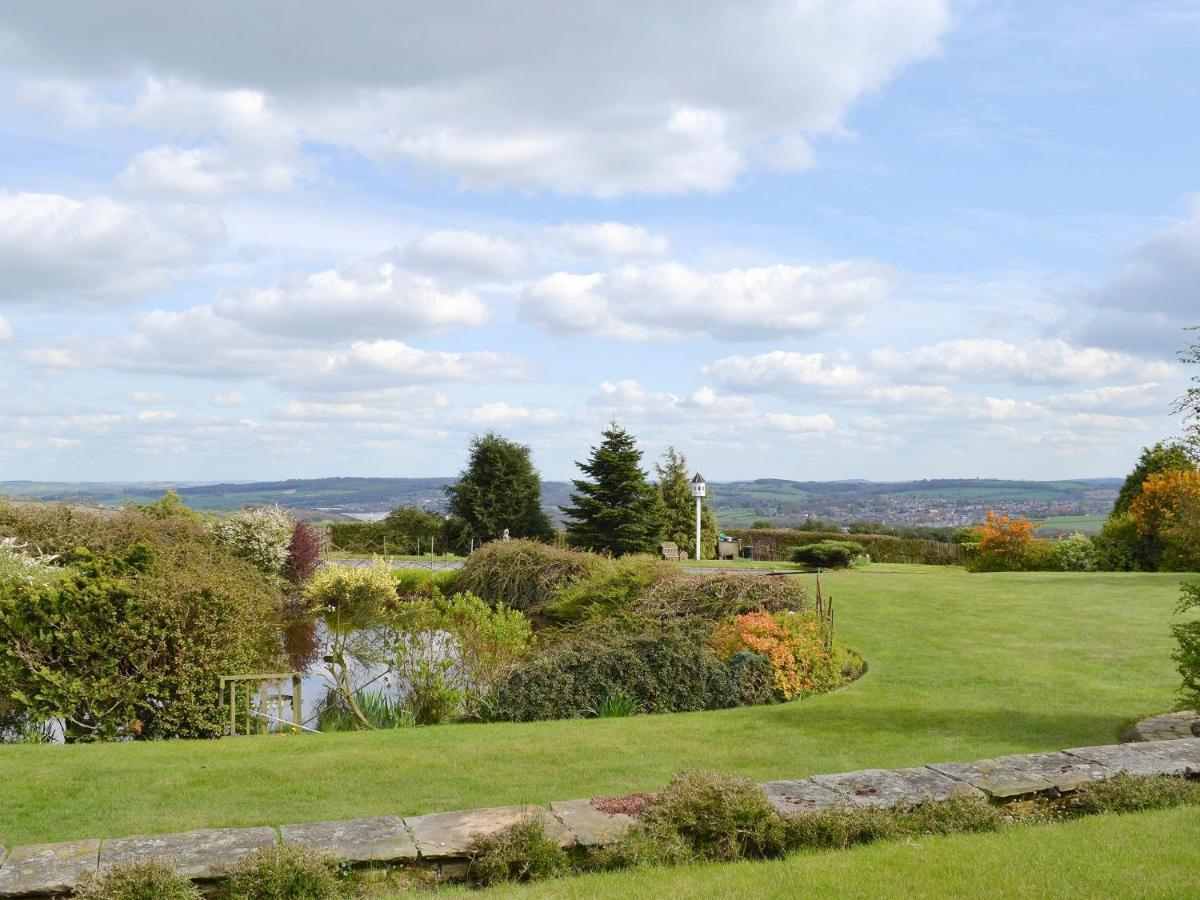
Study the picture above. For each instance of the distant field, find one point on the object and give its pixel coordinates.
(1071, 524)
(737, 503)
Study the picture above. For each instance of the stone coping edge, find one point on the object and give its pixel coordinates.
(443, 840)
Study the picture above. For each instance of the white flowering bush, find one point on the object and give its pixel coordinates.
(19, 564)
(1076, 553)
(261, 535)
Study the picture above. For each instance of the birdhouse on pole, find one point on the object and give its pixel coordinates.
(699, 488)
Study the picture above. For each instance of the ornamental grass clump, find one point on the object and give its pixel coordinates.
(718, 596)
(523, 575)
(717, 817)
(287, 872)
(151, 880)
(522, 852)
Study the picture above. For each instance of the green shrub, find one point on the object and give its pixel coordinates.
(454, 652)
(1187, 634)
(287, 872)
(838, 827)
(664, 670)
(1133, 793)
(957, 814)
(522, 852)
(523, 575)
(755, 679)
(405, 530)
(777, 544)
(642, 846)
(133, 645)
(151, 880)
(1076, 553)
(719, 817)
(616, 584)
(828, 554)
(717, 596)
(1118, 545)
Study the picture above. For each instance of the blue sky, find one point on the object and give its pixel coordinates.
(814, 240)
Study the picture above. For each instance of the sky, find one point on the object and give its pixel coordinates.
(882, 239)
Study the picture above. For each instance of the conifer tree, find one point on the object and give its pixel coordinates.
(499, 489)
(679, 508)
(614, 509)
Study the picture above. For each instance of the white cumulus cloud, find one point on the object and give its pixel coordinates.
(674, 301)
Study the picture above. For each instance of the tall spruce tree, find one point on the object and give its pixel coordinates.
(499, 489)
(678, 508)
(615, 509)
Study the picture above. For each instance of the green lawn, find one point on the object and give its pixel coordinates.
(961, 666)
(1143, 855)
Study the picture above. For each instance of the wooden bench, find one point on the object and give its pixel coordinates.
(670, 550)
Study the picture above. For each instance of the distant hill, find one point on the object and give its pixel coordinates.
(929, 502)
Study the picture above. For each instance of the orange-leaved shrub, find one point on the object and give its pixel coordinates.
(797, 645)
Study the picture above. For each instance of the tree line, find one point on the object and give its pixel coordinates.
(616, 507)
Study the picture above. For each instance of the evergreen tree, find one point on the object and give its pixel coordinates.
(678, 508)
(499, 489)
(1159, 458)
(617, 510)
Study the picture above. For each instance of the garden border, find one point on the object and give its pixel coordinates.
(443, 840)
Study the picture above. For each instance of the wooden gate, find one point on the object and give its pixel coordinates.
(259, 704)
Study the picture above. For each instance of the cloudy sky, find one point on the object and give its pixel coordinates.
(857, 238)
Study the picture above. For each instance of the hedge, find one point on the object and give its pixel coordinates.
(779, 543)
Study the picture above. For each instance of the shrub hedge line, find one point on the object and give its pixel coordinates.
(780, 544)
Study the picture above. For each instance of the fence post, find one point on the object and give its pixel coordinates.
(297, 705)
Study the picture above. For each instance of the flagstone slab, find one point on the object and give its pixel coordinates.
(1168, 726)
(792, 797)
(1130, 758)
(450, 834)
(998, 779)
(1065, 772)
(200, 855)
(1185, 754)
(379, 839)
(39, 870)
(590, 826)
(890, 788)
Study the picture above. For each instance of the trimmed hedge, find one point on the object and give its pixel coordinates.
(779, 544)
(829, 554)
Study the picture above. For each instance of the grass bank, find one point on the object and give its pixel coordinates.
(961, 667)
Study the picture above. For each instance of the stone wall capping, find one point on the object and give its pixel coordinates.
(443, 840)
(380, 839)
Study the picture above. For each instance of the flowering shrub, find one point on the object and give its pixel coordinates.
(17, 563)
(797, 646)
(1076, 553)
(262, 536)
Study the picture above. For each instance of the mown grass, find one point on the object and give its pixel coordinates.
(1144, 855)
(961, 667)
